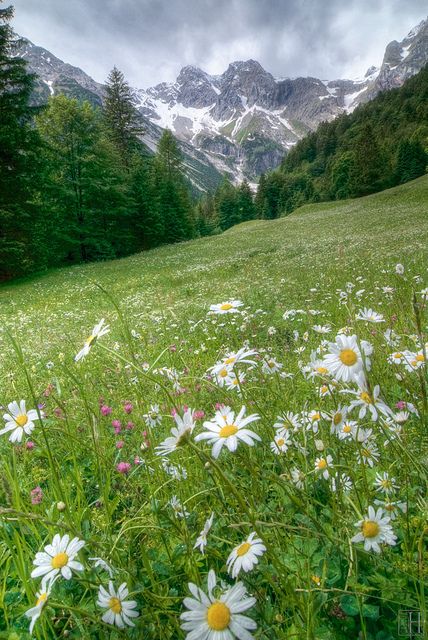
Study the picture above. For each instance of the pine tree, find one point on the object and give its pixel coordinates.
(147, 218)
(245, 202)
(172, 191)
(122, 120)
(411, 161)
(227, 205)
(19, 160)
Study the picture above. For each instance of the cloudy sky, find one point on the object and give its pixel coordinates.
(150, 40)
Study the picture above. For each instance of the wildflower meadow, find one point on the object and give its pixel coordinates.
(225, 438)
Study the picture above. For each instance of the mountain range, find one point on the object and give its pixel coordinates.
(243, 121)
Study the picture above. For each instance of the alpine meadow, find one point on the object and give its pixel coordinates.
(213, 337)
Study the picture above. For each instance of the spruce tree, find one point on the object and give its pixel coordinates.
(122, 120)
(19, 160)
(246, 206)
(172, 191)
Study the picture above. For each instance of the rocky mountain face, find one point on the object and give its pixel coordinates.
(243, 121)
(55, 76)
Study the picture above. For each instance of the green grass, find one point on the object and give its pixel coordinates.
(157, 304)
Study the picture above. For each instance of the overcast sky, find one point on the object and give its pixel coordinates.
(150, 40)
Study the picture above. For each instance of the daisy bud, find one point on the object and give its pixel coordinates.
(319, 445)
(61, 506)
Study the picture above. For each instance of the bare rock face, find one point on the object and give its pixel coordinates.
(401, 61)
(243, 121)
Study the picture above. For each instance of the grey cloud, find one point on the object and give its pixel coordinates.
(150, 40)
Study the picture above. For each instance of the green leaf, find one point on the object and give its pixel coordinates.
(349, 604)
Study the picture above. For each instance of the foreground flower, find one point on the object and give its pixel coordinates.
(375, 530)
(19, 421)
(180, 434)
(201, 541)
(231, 306)
(245, 556)
(58, 558)
(217, 618)
(97, 332)
(42, 597)
(119, 610)
(228, 430)
(344, 360)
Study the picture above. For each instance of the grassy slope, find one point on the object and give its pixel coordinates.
(321, 243)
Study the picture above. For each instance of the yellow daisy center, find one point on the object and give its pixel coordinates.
(280, 442)
(229, 360)
(324, 389)
(223, 373)
(347, 428)
(322, 370)
(90, 341)
(348, 357)
(271, 364)
(337, 418)
(243, 549)
(366, 397)
(370, 529)
(386, 484)
(60, 560)
(316, 579)
(420, 357)
(226, 306)
(322, 463)
(218, 616)
(315, 416)
(397, 356)
(228, 430)
(21, 420)
(115, 605)
(41, 599)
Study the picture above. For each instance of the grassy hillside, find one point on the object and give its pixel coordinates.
(92, 470)
(267, 263)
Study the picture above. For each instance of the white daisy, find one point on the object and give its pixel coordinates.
(297, 478)
(346, 430)
(42, 597)
(368, 315)
(413, 361)
(281, 442)
(344, 360)
(179, 509)
(235, 381)
(99, 562)
(245, 556)
(201, 541)
(97, 332)
(58, 558)
(392, 508)
(367, 401)
(19, 421)
(180, 434)
(119, 610)
(287, 420)
(217, 617)
(323, 466)
(230, 306)
(232, 358)
(375, 530)
(384, 483)
(228, 430)
(153, 417)
(271, 366)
